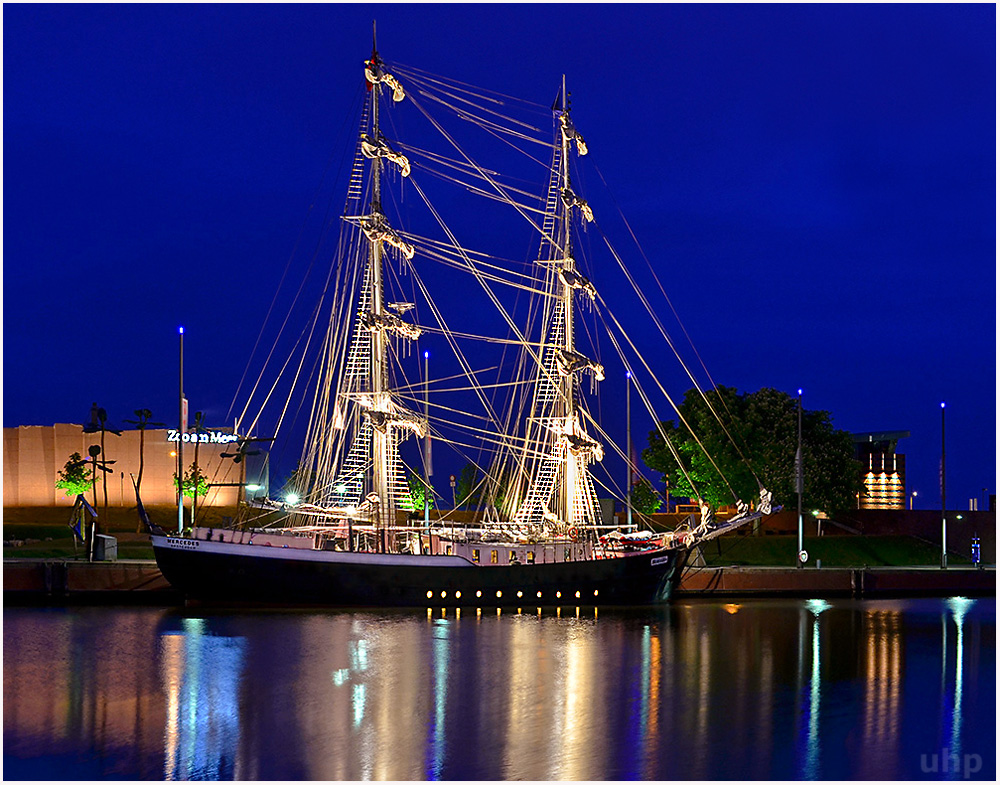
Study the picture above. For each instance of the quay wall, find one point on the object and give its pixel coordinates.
(124, 582)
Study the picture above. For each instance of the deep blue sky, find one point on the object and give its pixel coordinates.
(815, 185)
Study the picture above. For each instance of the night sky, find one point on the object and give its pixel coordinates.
(815, 186)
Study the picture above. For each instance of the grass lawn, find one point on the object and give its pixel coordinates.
(50, 541)
(835, 551)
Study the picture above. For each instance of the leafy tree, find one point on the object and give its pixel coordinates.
(418, 491)
(194, 481)
(764, 427)
(465, 485)
(645, 499)
(74, 477)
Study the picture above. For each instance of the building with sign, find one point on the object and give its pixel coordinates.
(34, 455)
(883, 470)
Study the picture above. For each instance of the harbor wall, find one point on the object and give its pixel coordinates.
(124, 582)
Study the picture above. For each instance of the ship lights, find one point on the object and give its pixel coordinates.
(430, 594)
(578, 595)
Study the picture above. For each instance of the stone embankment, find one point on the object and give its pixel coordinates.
(140, 581)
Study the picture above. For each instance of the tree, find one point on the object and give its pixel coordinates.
(194, 482)
(419, 490)
(465, 485)
(142, 423)
(645, 499)
(73, 478)
(758, 442)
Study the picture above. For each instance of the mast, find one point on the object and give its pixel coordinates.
(380, 457)
(370, 482)
(560, 489)
(566, 400)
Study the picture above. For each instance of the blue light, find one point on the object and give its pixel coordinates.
(800, 391)
(942, 404)
(426, 355)
(181, 331)
(628, 374)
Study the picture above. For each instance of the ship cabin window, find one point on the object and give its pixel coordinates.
(529, 557)
(494, 557)
(447, 551)
(475, 555)
(567, 554)
(513, 557)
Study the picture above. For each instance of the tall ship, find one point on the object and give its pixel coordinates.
(517, 341)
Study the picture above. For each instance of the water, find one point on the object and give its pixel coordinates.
(902, 689)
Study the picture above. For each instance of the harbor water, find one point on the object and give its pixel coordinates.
(761, 689)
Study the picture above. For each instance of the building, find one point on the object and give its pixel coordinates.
(34, 455)
(883, 472)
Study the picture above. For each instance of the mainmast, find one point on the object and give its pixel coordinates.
(561, 489)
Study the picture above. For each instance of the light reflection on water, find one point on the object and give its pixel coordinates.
(699, 690)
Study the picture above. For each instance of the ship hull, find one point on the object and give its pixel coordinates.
(230, 573)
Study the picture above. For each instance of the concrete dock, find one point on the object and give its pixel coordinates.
(140, 581)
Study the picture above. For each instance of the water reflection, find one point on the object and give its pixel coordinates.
(699, 690)
(201, 677)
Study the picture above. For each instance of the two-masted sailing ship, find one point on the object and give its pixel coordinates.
(362, 531)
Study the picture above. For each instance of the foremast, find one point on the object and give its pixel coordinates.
(371, 482)
(560, 493)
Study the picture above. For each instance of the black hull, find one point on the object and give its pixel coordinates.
(241, 574)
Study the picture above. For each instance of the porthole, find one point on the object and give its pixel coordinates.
(430, 594)
(539, 595)
(578, 595)
(479, 594)
(445, 594)
(595, 592)
(520, 594)
(458, 595)
(558, 594)
(499, 593)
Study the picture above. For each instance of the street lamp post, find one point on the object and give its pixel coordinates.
(427, 452)
(628, 448)
(944, 518)
(913, 497)
(181, 428)
(798, 484)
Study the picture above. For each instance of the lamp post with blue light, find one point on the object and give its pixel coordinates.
(181, 429)
(801, 555)
(944, 517)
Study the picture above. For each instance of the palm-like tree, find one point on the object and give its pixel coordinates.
(99, 424)
(142, 422)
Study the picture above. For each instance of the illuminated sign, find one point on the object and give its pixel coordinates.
(206, 437)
